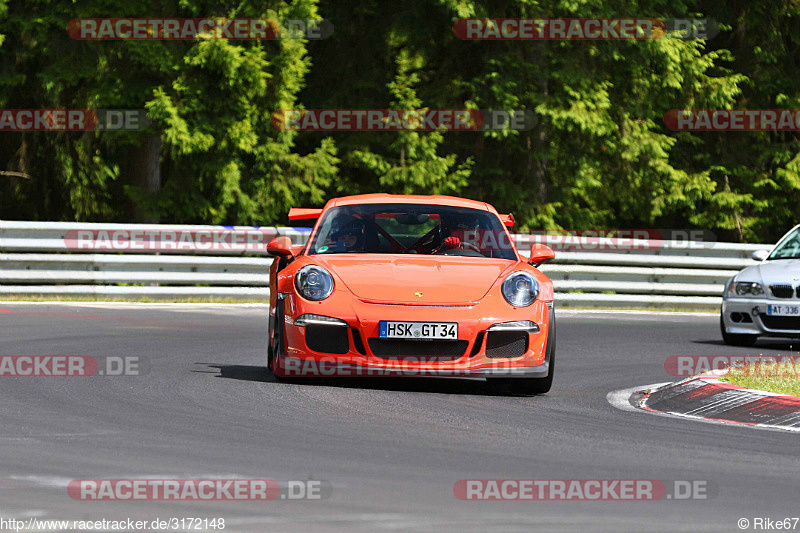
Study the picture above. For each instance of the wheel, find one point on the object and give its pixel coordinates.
(270, 351)
(276, 348)
(735, 339)
(536, 385)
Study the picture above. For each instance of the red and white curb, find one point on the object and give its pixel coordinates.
(704, 397)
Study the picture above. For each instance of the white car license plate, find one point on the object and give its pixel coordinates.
(783, 310)
(419, 330)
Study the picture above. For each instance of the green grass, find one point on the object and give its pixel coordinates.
(653, 309)
(230, 300)
(781, 378)
(143, 299)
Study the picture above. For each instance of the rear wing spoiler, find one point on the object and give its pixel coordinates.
(508, 220)
(302, 213)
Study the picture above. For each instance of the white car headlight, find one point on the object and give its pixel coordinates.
(313, 283)
(748, 288)
(520, 289)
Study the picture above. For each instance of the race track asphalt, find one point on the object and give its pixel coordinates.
(392, 449)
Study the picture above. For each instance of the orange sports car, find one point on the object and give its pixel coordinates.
(393, 285)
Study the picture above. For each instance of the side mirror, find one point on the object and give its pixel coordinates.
(760, 255)
(281, 247)
(541, 253)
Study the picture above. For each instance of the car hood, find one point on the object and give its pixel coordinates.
(423, 280)
(774, 271)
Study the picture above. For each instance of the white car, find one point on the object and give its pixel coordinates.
(764, 300)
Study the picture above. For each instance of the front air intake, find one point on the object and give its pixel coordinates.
(781, 322)
(505, 344)
(427, 350)
(327, 339)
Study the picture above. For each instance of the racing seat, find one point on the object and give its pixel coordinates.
(372, 242)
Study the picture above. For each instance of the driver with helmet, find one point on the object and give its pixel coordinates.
(453, 232)
(349, 238)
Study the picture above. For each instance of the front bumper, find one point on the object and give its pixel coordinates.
(355, 349)
(748, 316)
(325, 367)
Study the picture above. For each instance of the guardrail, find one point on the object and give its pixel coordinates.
(52, 258)
(668, 278)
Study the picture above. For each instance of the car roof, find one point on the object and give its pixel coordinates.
(384, 198)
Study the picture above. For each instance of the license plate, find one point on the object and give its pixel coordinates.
(783, 310)
(419, 330)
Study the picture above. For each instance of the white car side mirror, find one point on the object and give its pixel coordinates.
(760, 255)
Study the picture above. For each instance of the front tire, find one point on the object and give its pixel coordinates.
(277, 347)
(270, 353)
(734, 339)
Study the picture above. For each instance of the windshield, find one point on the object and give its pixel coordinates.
(789, 248)
(412, 229)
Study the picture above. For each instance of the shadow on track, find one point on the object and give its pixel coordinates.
(397, 384)
(763, 343)
(239, 372)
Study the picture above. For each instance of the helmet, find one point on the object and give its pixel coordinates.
(353, 228)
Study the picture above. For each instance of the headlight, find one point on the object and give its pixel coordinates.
(520, 289)
(749, 288)
(313, 283)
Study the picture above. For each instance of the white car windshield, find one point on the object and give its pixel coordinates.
(789, 248)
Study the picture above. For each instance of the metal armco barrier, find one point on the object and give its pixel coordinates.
(170, 261)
